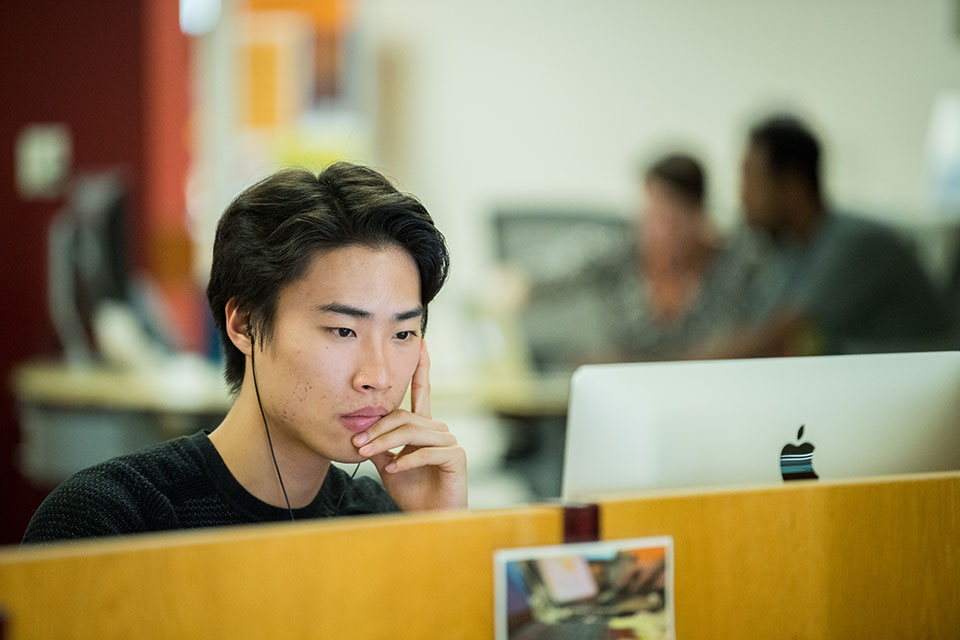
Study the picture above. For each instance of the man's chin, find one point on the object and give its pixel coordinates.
(350, 458)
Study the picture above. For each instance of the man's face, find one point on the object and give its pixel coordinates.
(345, 344)
(668, 225)
(759, 191)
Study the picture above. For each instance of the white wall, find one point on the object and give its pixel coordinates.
(555, 101)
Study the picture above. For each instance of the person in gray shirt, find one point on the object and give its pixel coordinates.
(833, 283)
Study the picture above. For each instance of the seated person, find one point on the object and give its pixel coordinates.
(834, 283)
(319, 288)
(670, 284)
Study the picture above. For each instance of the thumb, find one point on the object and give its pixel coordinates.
(381, 460)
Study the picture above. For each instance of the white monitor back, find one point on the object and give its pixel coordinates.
(701, 424)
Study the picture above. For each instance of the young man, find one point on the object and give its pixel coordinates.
(319, 288)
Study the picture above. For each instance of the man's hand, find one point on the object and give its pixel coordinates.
(430, 471)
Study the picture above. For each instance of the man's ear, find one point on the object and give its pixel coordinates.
(238, 327)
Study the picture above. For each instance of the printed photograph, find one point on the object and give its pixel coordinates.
(613, 589)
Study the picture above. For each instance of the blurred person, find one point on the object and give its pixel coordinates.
(319, 289)
(671, 284)
(676, 242)
(835, 283)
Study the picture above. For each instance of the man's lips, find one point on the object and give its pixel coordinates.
(361, 419)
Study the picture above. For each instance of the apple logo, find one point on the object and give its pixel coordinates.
(796, 461)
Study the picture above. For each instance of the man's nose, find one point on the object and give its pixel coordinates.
(372, 372)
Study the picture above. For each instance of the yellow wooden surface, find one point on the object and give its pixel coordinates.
(408, 576)
(859, 559)
(856, 559)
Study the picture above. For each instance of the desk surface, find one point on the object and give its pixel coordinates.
(188, 386)
(194, 386)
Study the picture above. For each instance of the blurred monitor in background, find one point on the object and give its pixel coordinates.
(834, 283)
(607, 289)
(546, 249)
(92, 297)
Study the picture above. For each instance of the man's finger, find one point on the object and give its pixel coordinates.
(420, 385)
(408, 435)
(393, 420)
(381, 460)
(448, 458)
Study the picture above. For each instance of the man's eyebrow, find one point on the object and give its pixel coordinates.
(354, 312)
(409, 315)
(344, 310)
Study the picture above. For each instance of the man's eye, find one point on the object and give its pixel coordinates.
(343, 332)
(403, 335)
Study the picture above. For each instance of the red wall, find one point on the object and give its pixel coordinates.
(85, 64)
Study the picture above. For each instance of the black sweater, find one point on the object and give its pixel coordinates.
(180, 484)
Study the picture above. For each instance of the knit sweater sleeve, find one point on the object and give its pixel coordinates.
(109, 499)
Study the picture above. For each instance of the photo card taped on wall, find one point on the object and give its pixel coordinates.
(592, 589)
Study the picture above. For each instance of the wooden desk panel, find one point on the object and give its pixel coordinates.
(415, 576)
(864, 559)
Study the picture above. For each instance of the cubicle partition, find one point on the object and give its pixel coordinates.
(416, 576)
(876, 558)
(872, 558)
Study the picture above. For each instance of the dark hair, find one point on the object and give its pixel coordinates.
(683, 174)
(789, 146)
(268, 235)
